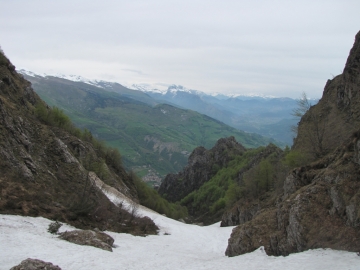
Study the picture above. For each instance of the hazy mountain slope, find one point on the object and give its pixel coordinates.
(270, 117)
(161, 136)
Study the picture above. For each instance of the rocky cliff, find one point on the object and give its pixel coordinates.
(246, 208)
(337, 114)
(214, 179)
(319, 206)
(202, 165)
(45, 169)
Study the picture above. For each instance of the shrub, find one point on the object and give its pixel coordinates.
(113, 157)
(53, 116)
(295, 159)
(54, 227)
(151, 199)
(218, 205)
(3, 59)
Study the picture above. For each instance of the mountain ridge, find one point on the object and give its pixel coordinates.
(234, 110)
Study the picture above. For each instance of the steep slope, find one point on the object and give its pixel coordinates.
(208, 185)
(319, 205)
(45, 168)
(153, 140)
(319, 208)
(269, 117)
(201, 167)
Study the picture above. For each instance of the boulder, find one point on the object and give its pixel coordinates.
(89, 238)
(34, 264)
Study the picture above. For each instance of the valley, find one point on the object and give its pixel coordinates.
(268, 116)
(153, 138)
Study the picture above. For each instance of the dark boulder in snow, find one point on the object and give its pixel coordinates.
(34, 264)
(89, 238)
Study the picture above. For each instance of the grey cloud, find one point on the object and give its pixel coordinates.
(278, 48)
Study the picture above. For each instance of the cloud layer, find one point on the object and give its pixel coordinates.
(277, 48)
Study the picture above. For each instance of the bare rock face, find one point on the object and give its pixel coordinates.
(89, 238)
(320, 206)
(240, 214)
(34, 264)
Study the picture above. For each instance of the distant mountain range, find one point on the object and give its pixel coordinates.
(153, 137)
(268, 116)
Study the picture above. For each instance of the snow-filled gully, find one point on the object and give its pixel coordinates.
(178, 246)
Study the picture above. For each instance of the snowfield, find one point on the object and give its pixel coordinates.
(178, 246)
(187, 247)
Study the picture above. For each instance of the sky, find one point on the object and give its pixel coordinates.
(272, 48)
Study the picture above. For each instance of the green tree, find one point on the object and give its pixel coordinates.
(295, 159)
(265, 175)
(233, 194)
(303, 105)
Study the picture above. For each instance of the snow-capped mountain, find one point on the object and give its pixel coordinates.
(265, 115)
(162, 89)
(74, 78)
(147, 88)
(171, 89)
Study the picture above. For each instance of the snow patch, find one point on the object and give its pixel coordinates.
(178, 246)
(186, 247)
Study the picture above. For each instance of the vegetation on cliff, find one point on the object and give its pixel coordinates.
(215, 179)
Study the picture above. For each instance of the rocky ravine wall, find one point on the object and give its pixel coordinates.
(319, 208)
(320, 205)
(42, 171)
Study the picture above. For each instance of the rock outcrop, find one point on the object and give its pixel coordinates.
(202, 165)
(319, 206)
(96, 239)
(34, 264)
(245, 209)
(319, 210)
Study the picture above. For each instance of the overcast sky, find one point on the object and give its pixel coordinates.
(277, 48)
